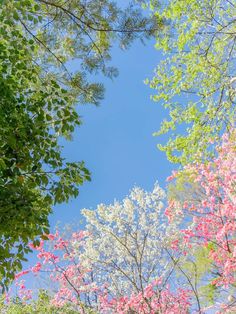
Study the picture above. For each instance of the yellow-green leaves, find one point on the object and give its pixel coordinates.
(193, 81)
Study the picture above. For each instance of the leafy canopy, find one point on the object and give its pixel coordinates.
(196, 79)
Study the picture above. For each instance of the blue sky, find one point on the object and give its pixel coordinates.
(115, 140)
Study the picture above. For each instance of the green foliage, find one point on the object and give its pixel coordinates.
(185, 187)
(82, 30)
(33, 174)
(37, 106)
(208, 293)
(196, 79)
(200, 264)
(42, 304)
(199, 270)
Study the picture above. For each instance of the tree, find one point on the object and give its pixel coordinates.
(37, 106)
(122, 249)
(150, 302)
(82, 30)
(196, 79)
(74, 288)
(40, 305)
(69, 285)
(33, 174)
(117, 265)
(209, 212)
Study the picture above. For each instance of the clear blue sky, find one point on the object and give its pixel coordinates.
(116, 139)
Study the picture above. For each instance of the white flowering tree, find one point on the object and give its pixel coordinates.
(127, 243)
(125, 261)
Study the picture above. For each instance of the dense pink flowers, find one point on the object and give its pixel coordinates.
(153, 300)
(212, 208)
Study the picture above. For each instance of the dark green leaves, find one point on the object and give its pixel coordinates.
(33, 175)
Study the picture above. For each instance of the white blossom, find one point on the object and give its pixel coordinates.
(127, 241)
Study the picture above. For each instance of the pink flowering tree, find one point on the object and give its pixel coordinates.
(74, 289)
(59, 265)
(206, 201)
(153, 300)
